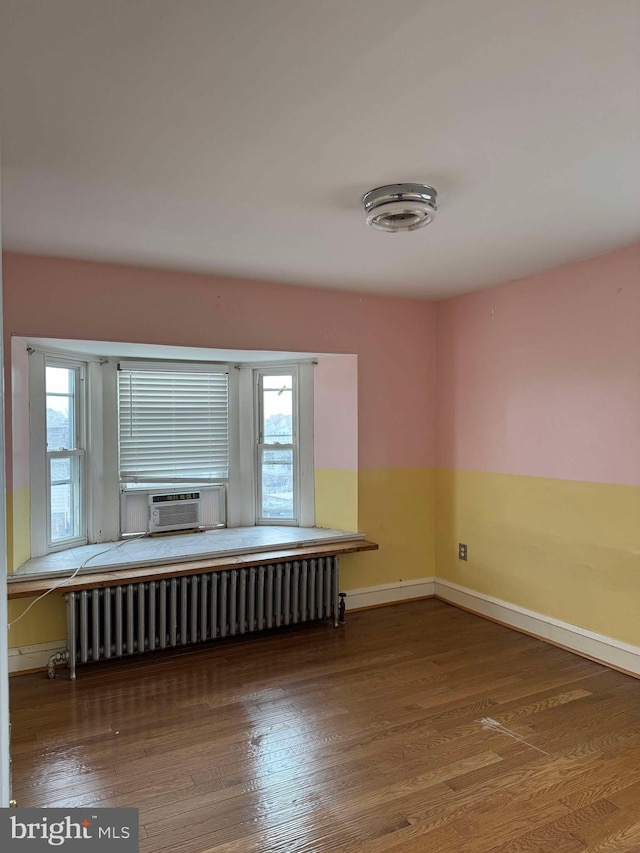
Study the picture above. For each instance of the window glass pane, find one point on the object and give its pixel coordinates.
(61, 512)
(60, 380)
(60, 390)
(277, 484)
(60, 426)
(60, 471)
(277, 409)
(64, 504)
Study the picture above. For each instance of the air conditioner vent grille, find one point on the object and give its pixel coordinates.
(174, 512)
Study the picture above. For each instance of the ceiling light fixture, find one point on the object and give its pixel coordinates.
(400, 207)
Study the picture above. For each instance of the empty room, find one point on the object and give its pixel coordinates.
(321, 425)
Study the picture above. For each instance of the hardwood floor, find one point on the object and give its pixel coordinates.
(415, 727)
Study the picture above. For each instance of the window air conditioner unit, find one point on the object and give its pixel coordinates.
(177, 511)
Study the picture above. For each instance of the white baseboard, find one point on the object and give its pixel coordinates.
(36, 656)
(597, 647)
(387, 593)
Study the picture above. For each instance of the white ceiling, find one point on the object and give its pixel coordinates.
(238, 137)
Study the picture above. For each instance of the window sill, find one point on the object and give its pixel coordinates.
(179, 548)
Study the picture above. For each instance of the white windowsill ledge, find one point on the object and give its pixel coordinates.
(181, 547)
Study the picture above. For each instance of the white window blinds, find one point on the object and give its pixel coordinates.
(173, 424)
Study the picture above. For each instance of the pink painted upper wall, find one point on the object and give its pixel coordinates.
(335, 412)
(19, 414)
(542, 376)
(394, 339)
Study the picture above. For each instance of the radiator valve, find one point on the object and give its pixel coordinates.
(57, 657)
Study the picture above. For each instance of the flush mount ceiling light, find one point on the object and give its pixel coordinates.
(400, 207)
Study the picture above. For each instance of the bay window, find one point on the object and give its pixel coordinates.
(106, 433)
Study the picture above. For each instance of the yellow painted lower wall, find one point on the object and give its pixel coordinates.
(44, 623)
(18, 527)
(396, 509)
(566, 549)
(336, 498)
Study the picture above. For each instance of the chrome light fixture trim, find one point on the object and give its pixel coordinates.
(400, 207)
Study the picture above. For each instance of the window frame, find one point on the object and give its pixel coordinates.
(41, 456)
(304, 369)
(260, 446)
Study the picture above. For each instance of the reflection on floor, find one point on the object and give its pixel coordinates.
(367, 740)
(150, 551)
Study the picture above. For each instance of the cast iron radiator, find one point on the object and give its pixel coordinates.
(127, 619)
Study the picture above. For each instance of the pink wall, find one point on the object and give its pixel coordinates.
(539, 376)
(335, 412)
(19, 395)
(542, 376)
(394, 339)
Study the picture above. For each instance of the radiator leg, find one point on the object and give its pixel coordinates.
(341, 607)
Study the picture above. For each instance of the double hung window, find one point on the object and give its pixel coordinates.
(277, 446)
(65, 453)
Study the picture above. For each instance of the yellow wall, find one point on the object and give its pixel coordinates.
(45, 622)
(336, 498)
(18, 527)
(396, 509)
(565, 548)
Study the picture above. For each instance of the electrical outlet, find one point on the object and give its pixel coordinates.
(462, 551)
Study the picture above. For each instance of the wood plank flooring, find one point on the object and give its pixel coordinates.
(415, 727)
